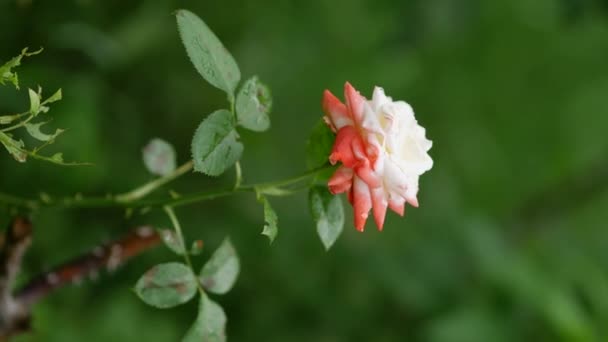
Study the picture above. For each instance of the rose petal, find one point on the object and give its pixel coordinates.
(336, 111)
(379, 204)
(341, 181)
(362, 202)
(355, 103)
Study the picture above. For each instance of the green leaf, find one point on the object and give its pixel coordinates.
(15, 147)
(159, 157)
(210, 324)
(220, 272)
(58, 158)
(328, 213)
(253, 104)
(270, 219)
(7, 119)
(34, 102)
(173, 241)
(210, 58)
(215, 146)
(167, 285)
(54, 98)
(6, 72)
(319, 145)
(34, 130)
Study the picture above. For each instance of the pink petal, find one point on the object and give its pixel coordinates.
(362, 203)
(365, 172)
(336, 111)
(355, 102)
(342, 149)
(379, 204)
(341, 181)
(413, 201)
(397, 204)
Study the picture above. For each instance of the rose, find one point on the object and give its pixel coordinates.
(382, 149)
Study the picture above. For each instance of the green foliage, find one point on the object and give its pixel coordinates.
(159, 157)
(167, 285)
(513, 93)
(318, 147)
(13, 122)
(221, 271)
(210, 58)
(253, 104)
(210, 325)
(173, 241)
(6, 70)
(215, 146)
(328, 213)
(270, 218)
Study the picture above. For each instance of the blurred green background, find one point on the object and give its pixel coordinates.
(510, 242)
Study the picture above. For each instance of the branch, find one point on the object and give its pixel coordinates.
(108, 257)
(133, 199)
(14, 315)
(15, 310)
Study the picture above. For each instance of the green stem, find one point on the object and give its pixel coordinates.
(147, 188)
(239, 175)
(110, 201)
(18, 201)
(180, 236)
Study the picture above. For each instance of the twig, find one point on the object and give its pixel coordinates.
(110, 201)
(14, 315)
(108, 257)
(15, 310)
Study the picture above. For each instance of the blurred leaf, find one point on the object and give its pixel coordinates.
(221, 271)
(14, 147)
(210, 58)
(167, 285)
(7, 119)
(34, 130)
(58, 95)
(6, 72)
(253, 104)
(57, 158)
(270, 219)
(173, 241)
(319, 145)
(215, 146)
(210, 325)
(159, 157)
(34, 102)
(328, 213)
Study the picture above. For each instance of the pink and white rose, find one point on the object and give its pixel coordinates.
(382, 149)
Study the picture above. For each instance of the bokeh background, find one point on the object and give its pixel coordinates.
(510, 242)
